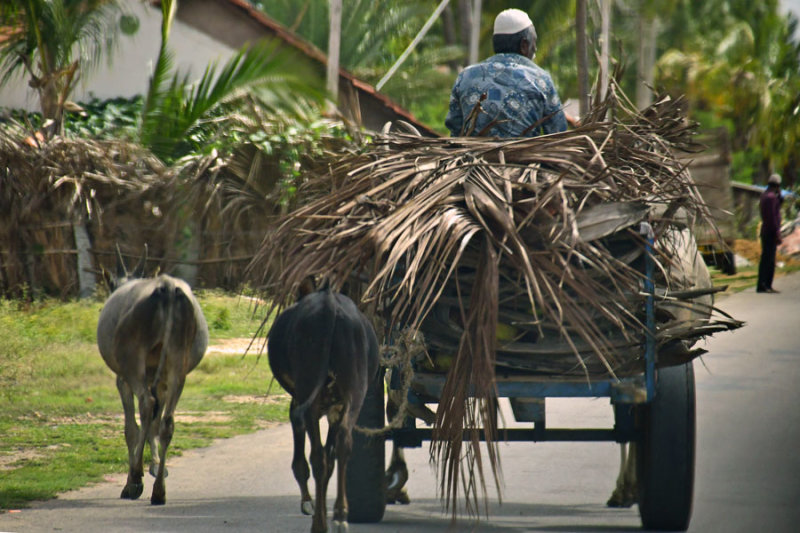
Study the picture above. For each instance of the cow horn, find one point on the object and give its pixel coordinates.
(138, 272)
(122, 272)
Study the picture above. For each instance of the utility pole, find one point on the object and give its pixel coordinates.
(334, 43)
(583, 57)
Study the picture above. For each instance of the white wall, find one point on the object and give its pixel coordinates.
(132, 63)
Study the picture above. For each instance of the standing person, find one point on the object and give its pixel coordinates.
(506, 95)
(770, 204)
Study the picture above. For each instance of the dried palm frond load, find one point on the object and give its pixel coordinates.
(521, 255)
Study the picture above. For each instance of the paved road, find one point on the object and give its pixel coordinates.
(748, 468)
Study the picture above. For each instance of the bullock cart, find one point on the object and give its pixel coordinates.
(517, 269)
(653, 405)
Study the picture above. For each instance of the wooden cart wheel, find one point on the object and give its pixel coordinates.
(366, 491)
(665, 461)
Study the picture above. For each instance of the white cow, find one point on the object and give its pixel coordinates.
(151, 333)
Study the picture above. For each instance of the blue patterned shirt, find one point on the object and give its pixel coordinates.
(518, 92)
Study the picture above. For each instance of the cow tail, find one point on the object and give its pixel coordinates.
(166, 294)
(325, 349)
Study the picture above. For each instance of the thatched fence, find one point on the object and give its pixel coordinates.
(65, 204)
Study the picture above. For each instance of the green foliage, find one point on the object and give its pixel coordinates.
(61, 416)
(739, 61)
(179, 118)
(745, 165)
(58, 42)
(372, 30)
(230, 317)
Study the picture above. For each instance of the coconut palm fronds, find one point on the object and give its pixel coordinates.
(456, 236)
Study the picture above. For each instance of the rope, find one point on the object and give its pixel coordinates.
(409, 346)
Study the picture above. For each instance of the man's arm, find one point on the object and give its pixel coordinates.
(455, 118)
(553, 109)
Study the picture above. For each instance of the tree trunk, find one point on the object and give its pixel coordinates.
(449, 26)
(583, 57)
(334, 40)
(605, 40)
(790, 172)
(189, 248)
(464, 22)
(475, 32)
(648, 27)
(449, 30)
(87, 282)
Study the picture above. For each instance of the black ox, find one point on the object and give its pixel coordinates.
(324, 352)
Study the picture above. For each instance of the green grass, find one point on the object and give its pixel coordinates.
(746, 278)
(61, 420)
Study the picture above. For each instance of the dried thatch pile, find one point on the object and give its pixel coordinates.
(205, 212)
(48, 188)
(455, 236)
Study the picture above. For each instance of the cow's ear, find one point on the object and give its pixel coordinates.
(306, 287)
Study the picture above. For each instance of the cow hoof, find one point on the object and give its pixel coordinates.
(340, 527)
(307, 508)
(398, 496)
(132, 491)
(622, 501)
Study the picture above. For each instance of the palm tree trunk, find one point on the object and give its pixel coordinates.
(583, 57)
(475, 32)
(449, 30)
(605, 40)
(334, 40)
(648, 27)
(87, 282)
(464, 22)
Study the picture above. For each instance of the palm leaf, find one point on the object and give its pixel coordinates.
(262, 67)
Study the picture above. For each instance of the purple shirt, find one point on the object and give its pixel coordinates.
(771, 213)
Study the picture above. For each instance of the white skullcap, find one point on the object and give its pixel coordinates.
(774, 179)
(511, 21)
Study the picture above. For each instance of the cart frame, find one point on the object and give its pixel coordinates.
(655, 409)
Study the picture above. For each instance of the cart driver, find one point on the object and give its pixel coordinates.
(507, 95)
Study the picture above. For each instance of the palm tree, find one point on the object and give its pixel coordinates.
(371, 29)
(55, 42)
(179, 117)
(743, 70)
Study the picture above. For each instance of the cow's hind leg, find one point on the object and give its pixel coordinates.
(166, 430)
(155, 428)
(344, 446)
(396, 477)
(319, 468)
(133, 486)
(299, 463)
(624, 494)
